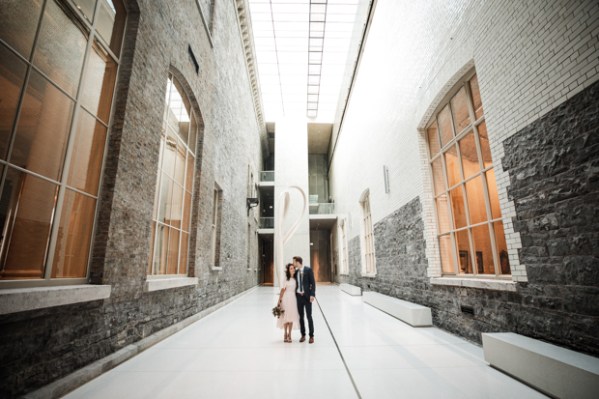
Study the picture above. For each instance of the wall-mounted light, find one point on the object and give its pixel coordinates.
(252, 203)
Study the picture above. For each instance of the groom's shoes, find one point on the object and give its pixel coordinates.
(303, 338)
(311, 341)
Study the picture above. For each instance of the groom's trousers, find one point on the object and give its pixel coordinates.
(303, 302)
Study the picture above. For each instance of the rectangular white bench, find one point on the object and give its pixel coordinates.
(411, 313)
(557, 371)
(350, 289)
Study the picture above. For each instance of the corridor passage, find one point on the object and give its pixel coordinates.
(237, 352)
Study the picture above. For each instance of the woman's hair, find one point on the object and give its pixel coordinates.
(287, 270)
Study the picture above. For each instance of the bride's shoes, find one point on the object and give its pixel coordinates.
(287, 338)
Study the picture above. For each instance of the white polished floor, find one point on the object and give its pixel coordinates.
(236, 352)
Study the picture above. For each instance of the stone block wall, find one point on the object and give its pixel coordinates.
(40, 346)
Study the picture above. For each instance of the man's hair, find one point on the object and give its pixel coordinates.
(298, 259)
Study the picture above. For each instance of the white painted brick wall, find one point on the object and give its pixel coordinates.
(529, 55)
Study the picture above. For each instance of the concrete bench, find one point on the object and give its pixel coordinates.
(556, 371)
(411, 313)
(350, 289)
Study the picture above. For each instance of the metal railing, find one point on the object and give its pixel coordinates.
(267, 223)
(322, 208)
(267, 176)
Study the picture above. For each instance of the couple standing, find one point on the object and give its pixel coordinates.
(297, 295)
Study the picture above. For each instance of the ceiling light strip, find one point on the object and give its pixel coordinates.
(317, 25)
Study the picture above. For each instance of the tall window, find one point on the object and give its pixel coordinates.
(369, 267)
(58, 66)
(216, 225)
(471, 237)
(172, 203)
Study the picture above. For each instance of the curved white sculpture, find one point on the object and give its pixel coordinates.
(281, 208)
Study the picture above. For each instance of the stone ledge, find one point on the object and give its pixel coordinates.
(15, 300)
(557, 371)
(350, 289)
(412, 313)
(488, 284)
(157, 284)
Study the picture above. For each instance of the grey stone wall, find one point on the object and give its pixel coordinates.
(38, 347)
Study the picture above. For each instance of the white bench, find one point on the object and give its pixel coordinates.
(350, 289)
(411, 313)
(554, 370)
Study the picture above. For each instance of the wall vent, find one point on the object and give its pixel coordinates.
(467, 310)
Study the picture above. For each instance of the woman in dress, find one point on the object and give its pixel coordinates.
(288, 302)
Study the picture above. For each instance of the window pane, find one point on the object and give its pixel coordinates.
(453, 168)
(183, 254)
(501, 244)
(443, 217)
(27, 205)
(447, 262)
(464, 251)
(485, 149)
(19, 23)
(169, 155)
(173, 252)
(160, 246)
(476, 200)
(493, 195)
(43, 128)
(457, 206)
(484, 252)
(60, 48)
(166, 192)
(111, 23)
(98, 87)
(88, 151)
(176, 204)
(476, 101)
(444, 120)
(459, 108)
(86, 7)
(12, 73)
(438, 178)
(469, 157)
(74, 236)
(151, 253)
(433, 139)
(180, 164)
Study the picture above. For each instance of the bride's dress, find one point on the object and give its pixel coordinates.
(289, 304)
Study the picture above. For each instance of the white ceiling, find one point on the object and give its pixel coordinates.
(302, 46)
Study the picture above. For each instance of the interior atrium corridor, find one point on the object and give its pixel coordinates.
(359, 352)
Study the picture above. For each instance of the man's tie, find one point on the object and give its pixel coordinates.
(301, 279)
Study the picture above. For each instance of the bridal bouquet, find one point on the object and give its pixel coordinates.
(278, 311)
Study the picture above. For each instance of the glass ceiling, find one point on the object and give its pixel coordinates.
(301, 49)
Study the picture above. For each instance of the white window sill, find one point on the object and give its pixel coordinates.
(15, 300)
(166, 283)
(369, 275)
(487, 284)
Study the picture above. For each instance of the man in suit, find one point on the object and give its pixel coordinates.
(305, 293)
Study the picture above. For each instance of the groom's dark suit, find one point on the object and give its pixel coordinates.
(308, 286)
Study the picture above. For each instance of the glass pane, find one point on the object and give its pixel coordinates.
(433, 139)
(438, 178)
(469, 157)
(444, 120)
(447, 261)
(87, 8)
(43, 128)
(176, 205)
(493, 195)
(457, 206)
(464, 252)
(180, 164)
(98, 87)
(160, 247)
(459, 108)
(74, 236)
(26, 209)
(88, 151)
(183, 254)
(111, 23)
(19, 23)
(476, 200)
(476, 101)
(173, 252)
(453, 168)
(12, 73)
(60, 48)
(187, 212)
(485, 149)
(484, 252)
(501, 244)
(443, 217)
(189, 172)
(152, 241)
(169, 155)
(166, 192)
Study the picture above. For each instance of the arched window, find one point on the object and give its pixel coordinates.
(368, 255)
(470, 230)
(58, 66)
(172, 203)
